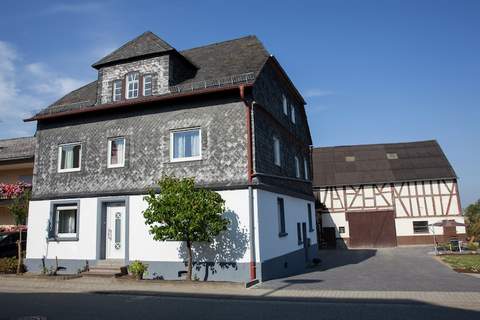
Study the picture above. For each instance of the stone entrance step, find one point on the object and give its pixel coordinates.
(107, 269)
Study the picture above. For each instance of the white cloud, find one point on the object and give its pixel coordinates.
(25, 89)
(311, 93)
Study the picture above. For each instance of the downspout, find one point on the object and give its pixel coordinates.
(248, 114)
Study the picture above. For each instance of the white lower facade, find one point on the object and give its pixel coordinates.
(114, 228)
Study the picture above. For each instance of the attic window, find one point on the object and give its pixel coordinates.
(132, 85)
(392, 156)
(147, 85)
(117, 90)
(350, 158)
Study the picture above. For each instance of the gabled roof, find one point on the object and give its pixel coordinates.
(146, 44)
(17, 149)
(216, 63)
(422, 160)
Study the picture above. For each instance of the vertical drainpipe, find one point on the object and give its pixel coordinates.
(248, 114)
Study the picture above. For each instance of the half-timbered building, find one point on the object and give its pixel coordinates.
(386, 194)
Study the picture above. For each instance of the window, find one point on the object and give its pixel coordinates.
(70, 157)
(117, 90)
(281, 217)
(147, 85)
(116, 152)
(350, 158)
(66, 221)
(392, 156)
(299, 233)
(341, 230)
(276, 151)
(297, 167)
(285, 104)
(132, 85)
(185, 145)
(293, 115)
(420, 226)
(310, 218)
(305, 168)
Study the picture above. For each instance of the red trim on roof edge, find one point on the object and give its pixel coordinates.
(150, 99)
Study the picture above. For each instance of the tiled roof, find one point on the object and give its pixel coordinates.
(422, 160)
(17, 149)
(221, 62)
(143, 45)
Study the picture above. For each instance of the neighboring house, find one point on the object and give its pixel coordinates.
(16, 165)
(386, 194)
(225, 113)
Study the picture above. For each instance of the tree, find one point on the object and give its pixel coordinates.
(181, 212)
(20, 195)
(472, 213)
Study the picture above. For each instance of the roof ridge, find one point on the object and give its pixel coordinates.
(222, 42)
(375, 144)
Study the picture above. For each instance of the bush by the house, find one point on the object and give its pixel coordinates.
(9, 265)
(473, 246)
(138, 269)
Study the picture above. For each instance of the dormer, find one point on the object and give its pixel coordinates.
(144, 66)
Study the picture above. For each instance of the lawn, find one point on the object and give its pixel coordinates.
(468, 263)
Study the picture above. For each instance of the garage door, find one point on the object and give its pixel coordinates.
(372, 229)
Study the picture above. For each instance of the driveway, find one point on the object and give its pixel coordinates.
(386, 269)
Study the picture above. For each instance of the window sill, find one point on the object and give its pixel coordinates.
(68, 170)
(186, 159)
(114, 166)
(61, 239)
(282, 234)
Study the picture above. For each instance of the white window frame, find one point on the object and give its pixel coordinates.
(60, 147)
(115, 83)
(57, 220)
(305, 168)
(277, 152)
(293, 113)
(109, 155)
(297, 167)
(285, 105)
(127, 83)
(194, 158)
(151, 85)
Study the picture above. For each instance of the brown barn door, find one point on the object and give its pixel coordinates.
(372, 229)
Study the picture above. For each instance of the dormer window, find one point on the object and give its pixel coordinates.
(132, 85)
(117, 90)
(392, 156)
(147, 85)
(350, 159)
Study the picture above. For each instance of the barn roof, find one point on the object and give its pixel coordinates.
(17, 149)
(362, 164)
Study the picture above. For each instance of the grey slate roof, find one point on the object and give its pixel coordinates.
(215, 61)
(17, 149)
(422, 160)
(145, 44)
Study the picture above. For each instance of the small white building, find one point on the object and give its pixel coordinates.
(383, 195)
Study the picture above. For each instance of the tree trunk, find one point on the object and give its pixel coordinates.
(190, 263)
(19, 246)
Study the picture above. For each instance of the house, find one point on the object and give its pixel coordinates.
(225, 113)
(383, 195)
(16, 165)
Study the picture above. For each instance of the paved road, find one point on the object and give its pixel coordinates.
(392, 269)
(115, 306)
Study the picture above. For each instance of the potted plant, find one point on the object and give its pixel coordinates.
(138, 269)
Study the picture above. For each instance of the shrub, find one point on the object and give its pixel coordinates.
(9, 265)
(138, 269)
(472, 246)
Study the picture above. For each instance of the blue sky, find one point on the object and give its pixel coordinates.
(370, 71)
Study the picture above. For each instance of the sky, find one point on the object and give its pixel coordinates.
(370, 71)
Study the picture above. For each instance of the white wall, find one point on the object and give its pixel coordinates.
(271, 245)
(143, 247)
(38, 221)
(404, 227)
(336, 220)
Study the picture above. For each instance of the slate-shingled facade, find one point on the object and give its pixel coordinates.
(386, 194)
(225, 102)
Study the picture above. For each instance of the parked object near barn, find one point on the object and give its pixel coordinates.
(385, 195)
